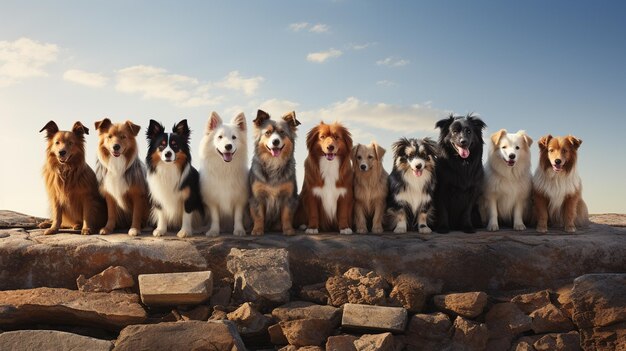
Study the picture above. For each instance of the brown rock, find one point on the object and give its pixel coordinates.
(528, 303)
(188, 288)
(559, 342)
(306, 332)
(62, 306)
(506, 320)
(194, 335)
(112, 278)
(469, 335)
(550, 319)
(411, 291)
(564, 298)
(277, 337)
(358, 286)
(337, 288)
(468, 305)
(376, 342)
(315, 293)
(221, 296)
(341, 343)
(430, 332)
(218, 314)
(377, 318)
(200, 313)
(306, 310)
(248, 320)
(525, 343)
(27, 340)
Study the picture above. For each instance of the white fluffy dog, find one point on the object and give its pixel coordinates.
(508, 180)
(224, 173)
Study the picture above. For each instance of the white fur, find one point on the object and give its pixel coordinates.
(114, 181)
(556, 186)
(164, 185)
(329, 193)
(414, 194)
(224, 185)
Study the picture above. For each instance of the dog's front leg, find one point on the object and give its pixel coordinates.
(518, 216)
(257, 211)
(344, 212)
(492, 206)
(422, 223)
(57, 218)
(377, 219)
(186, 229)
(138, 211)
(111, 215)
(86, 217)
(313, 211)
(360, 222)
(239, 229)
(286, 217)
(214, 230)
(161, 228)
(570, 209)
(443, 224)
(541, 211)
(401, 221)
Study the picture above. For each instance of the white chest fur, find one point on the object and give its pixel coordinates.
(164, 189)
(114, 181)
(414, 195)
(329, 193)
(556, 186)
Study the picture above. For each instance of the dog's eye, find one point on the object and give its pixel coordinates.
(468, 131)
(359, 158)
(370, 157)
(234, 137)
(322, 136)
(504, 147)
(57, 142)
(550, 150)
(281, 133)
(517, 148)
(110, 136)
(268, 133)
(220, 137)
(122, 137)
(70, 143)
(403, 159)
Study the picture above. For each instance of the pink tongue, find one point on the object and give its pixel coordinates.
(227, 156)
(417, 172)
(464, 153)
(557, 168)
(330, 157)
(275, 152)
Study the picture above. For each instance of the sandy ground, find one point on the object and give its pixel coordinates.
(612, 219)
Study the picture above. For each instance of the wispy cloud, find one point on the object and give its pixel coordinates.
(24, 58)
(315, 28)
(385, 83)
(361, 46)
(322, 56)
(278, 107)
(320, 28)
(296, 27)
(94, 80)
(392, 62)
(234, 81)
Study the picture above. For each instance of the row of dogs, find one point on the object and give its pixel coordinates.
(441, 185)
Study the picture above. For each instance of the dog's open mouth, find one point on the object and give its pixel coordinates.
(63, 159)
(116, 153)
(417, 172)
(330, 156)
(557, 168)
(275, 151)
(510, 163)
(463, 151)
(227, 156)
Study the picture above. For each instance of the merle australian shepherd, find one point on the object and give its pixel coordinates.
(174, 183)
(460, 173)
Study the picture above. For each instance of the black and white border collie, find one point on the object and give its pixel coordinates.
(174, 183)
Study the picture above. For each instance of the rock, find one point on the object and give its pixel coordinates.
(550, 319)
(468, 305)
(221, 296)
(277, 337)
(261, 274)
(564, 298)
(112, 278)
(374, 318)
(199, 313)
(558, 342)
(26, 340)
(411, 291)
(306, 310)
(218, 314)
(469, 335)
(358, 286)
(194, 335)
(506, 320)
(599, 302)
(62, 306)
(528, 303)
(248, 320)
(377, 342)
(525, 343)
(341, 343)
(12, 219)
(187, 288)
(306, 332)
(430, 332)
(315, 293)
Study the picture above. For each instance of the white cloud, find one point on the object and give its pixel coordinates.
(322, 56)
(296, 27)
(94, 80)
(320, 28)
(234, 81)
(385, 83)
(277, 107)
(391, 62)
(24, 58)
(361, 46)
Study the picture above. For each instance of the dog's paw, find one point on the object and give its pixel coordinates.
(45, 224)
(377, 230)
(51, 231)
(183, 233)
(469, 230)
(570, 229)
(361, 230)
(302, 227)
(158, 232)
(424, 230)
(311, 231)
(443, 230)
(400, 229)
(345, 231)
(256, 232)
(77, 226)
(85, 231)
(239, 232)
(213, 232)
(493, 227)
(105, 231)
(542, 229)
(289, 231)
(519, 226)
(133, 232)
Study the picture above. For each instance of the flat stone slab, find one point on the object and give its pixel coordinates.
(374, 318)
(28, 340)
(63, 306)
(11, 219)
(187, 288)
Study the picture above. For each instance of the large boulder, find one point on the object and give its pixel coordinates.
(28, 340)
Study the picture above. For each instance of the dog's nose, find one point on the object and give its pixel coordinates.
(331, 147)
(419, 166)
(512, 156)
(168, 154)
(228, 147)
(275, 142)
(463, 142)
(116, 147)
(363, 167)
(62, 152)
(558, 161)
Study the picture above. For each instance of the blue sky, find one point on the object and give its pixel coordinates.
(384, 68)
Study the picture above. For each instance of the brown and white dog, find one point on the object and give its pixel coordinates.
(71, 184)
(327, 199)
(122, 177)
(370, 187)
(557, 188)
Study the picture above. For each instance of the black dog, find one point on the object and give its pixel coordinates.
(460, 173)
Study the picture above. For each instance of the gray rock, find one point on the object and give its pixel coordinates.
(28, 340)
(306, 310)
(112, 278)
(188, 288)
(374, 318)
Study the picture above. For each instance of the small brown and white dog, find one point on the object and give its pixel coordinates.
(327, 199)
(370, 187)
(71, 184)
(122, 177)
(508, 181)
(557, 188)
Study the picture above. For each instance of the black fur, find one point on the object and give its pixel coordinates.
(459, 179)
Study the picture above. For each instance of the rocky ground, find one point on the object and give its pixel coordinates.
(485, 291)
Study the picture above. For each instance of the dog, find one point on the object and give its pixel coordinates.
(174, 183)
(557, 187)
(460, 173)
(412, 185)
(224, 173)
(508, 180)
(273, 187)
(327, 197)
(370, 187)
(71, 184)
(121, 176)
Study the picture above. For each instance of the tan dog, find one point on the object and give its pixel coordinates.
(122, 177)
(71, 184)
(370, 187)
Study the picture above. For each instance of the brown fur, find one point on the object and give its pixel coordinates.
(310, 210)
(71, 184)
(136, 197)
(370, 187)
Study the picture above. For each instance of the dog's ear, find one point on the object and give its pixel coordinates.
(182, 129)
(261, 116)
(379, 151)
(495, 137)
(214, 122)
(574, 141)
(79, 129)
(347, 136)
(50, 128)
(312, 136)
(432, 147)
(355, 150)
(240, 121)
(444, 124)
(292, 121)
(476, 122)
(544, 141)
(155, 128)
(103, 126)
(395, 147)
(527, 139)
(132, 127)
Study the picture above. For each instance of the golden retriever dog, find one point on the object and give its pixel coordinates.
(370, 187)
